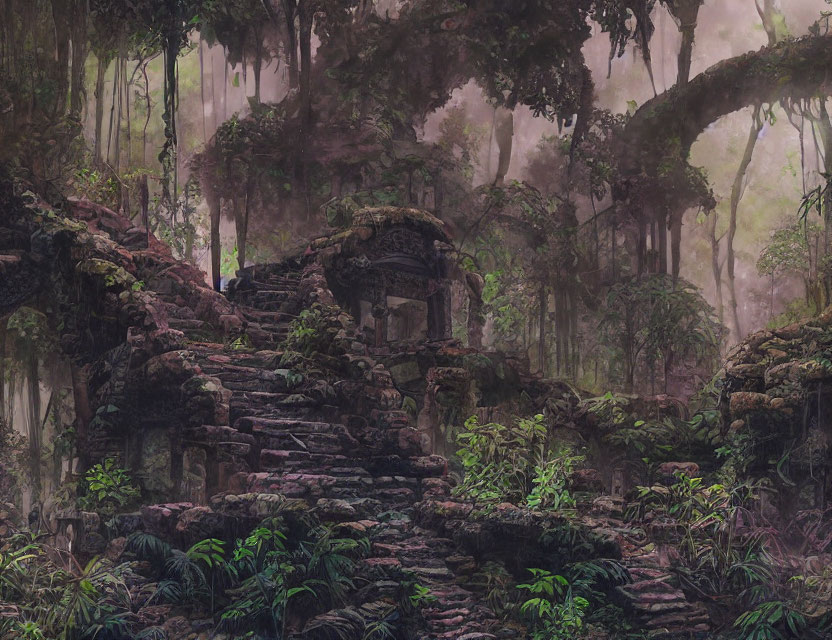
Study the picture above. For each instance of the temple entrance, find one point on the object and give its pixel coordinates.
(390, 270)
(407, 320)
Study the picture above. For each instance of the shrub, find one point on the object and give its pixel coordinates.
(555, 611)
(517, 464)
(109, 488)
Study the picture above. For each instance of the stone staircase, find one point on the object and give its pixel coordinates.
(653, 596)
(454, 612)
(269, 300)
(660, 605)
(361, 469)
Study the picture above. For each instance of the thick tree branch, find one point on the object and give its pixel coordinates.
(670, 123)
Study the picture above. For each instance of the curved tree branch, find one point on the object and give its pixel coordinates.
(669, 124)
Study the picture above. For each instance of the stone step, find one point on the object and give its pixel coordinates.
(189, 324)
(453, 610)
(294, 461)
(249, 379)
(653, 585)
(278, 327)
(294, 409)
(638, 573)
(646, 608)
(275, 306)
(268, 317)
(282, 286)
(432, 575)
(174, 310)
(267, 427)
(678, 625)
(215, 434)
(651, 597)
(326, 443)
(277, 401)
(253, 297)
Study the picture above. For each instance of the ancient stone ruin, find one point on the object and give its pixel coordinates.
(226, 409)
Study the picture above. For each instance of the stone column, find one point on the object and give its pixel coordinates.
(380, 313)
(439, 313)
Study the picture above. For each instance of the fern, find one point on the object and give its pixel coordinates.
(148, 547)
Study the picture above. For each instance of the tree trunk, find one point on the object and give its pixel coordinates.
(127, 131)
(653, 265)
(305, 20)
(78, 33)
(241, 214)
(34, 425)
(825, 130)
(573, 333)
(101, 70)
(290, 9)
(641, 246)
(716, 267)
(144, 204)
(257, 65)
(685, 54)
(61, 17)
(685, 13)
(773, 20)
(675, 243)
(2, 371)
(116, 69)
(541, 346)
(662, 231)
(148, 107)
(224, 87)
(215, 209)
(202, 88)
(630, 357)
(10, 399)
(737, 191)
(504, 132)
(118, 89)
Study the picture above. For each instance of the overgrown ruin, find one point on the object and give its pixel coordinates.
(415, 320)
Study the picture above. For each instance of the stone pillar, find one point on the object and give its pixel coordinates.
(439, 313)
(380, 313)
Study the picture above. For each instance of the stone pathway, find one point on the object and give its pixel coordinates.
(363, 470)
(660, 605)
(653, 596)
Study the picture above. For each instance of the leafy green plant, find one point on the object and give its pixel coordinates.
(241, 343)
(109, 488)
(228, 262)
(330, 561)
(516, 463)
(550, 484)
(774, 620)
(555, 612)
(30, 631)
(308, 332)
(722, 551)
(496, 584)
(659, 320)
(420, 595)
(209, 553)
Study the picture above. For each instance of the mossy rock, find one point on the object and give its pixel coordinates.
(369, 221)
(109, 272)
